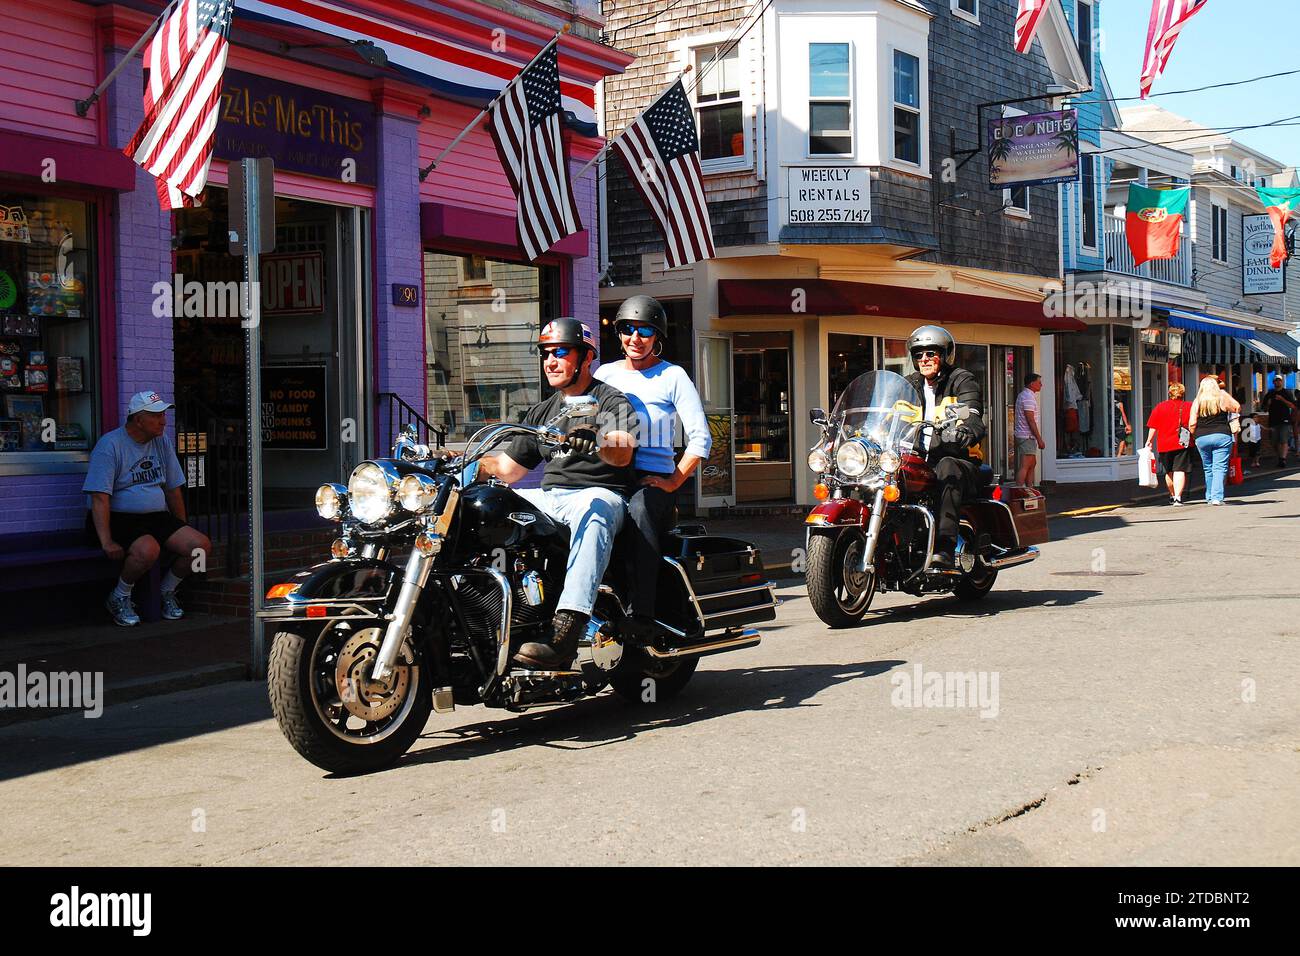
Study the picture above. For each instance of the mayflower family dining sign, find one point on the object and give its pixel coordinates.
(1035, 149)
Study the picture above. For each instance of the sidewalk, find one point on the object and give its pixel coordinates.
(202, 649)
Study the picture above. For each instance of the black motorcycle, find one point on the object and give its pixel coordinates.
(367, 644)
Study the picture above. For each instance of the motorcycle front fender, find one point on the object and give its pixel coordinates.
(350, 588)
(835, 514)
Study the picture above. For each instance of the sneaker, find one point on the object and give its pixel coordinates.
(171, 607)
(1176, 502)
(1219, 502)
(1173, 500)
(122, 610)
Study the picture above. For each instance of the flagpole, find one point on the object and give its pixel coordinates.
(604, 149)
(83, 106)
(424, 173)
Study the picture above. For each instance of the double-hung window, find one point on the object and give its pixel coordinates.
(719, 106)
(1219, 233)
(967, 9)
(830, 100)
(1084, 25)
(907, 107)
(1088, 206)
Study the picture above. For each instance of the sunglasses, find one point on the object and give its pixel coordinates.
(628, 329)
(560, 351)
(925, 354)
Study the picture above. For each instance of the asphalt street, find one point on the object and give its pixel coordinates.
(1138, 696)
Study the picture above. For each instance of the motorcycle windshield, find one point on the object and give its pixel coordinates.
(881, 406)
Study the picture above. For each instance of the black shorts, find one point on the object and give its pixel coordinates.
(1180, 459)
(125, 527)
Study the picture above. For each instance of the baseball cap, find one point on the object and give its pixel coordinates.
(147, 402)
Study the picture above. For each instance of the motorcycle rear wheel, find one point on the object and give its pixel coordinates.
(839, 595)
(641, 679)
(975, 584)
(371, 728)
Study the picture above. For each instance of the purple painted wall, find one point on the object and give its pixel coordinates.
(399, 341)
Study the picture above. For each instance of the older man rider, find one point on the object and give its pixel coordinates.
(933, 353)
(583, 483)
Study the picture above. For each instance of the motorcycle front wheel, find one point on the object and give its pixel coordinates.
(838, 592)
(327, 708)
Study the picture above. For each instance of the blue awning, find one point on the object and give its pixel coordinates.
(1279, 349)
(1213, 325)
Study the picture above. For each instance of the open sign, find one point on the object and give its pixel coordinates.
(293, 283)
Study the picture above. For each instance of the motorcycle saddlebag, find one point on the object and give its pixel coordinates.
(1029, 511)
(726, 579)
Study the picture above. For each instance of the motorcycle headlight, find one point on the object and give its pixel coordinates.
(417, 493)
(370, 492)
(855, 457)
(818, 460)
(331, 499)
(890, 462)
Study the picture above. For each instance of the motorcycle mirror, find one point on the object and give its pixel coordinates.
(817, 416)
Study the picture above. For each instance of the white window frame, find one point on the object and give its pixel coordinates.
(685, 51)
(1092, 34)
(965, 15)
(850, 99)
(1222, 238)
(463, 280)
(1091, 160)
(1008, 207)
(921, 128)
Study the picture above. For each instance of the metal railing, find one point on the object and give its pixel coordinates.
(394, 415)
(214, 455)
(1175, 271)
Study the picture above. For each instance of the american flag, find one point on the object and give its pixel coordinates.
(1027, 17)
(185, 59)
(662, 154)
(1168, 17)
(525, 123)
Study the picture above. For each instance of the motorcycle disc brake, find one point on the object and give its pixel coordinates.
(368, 699)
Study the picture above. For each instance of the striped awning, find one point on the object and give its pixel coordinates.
(1209, 324)
(1280, 349)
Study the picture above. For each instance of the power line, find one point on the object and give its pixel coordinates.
(658, 13)
(1194, 89)
(1188, 139)
(727, 46)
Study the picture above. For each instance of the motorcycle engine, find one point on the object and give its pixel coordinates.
(907, 537)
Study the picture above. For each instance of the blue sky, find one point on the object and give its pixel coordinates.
(1226, 40)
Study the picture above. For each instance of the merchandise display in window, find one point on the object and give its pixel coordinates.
(46, 324)
(1083, 426)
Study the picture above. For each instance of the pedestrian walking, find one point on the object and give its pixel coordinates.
(1251, 438)
(1169, 436)
(1029, 438)
(1214, 433)
(1281, 405)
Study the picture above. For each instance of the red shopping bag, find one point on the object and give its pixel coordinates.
(1235, 476)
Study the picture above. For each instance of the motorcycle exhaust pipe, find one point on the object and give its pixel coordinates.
(1013, 558)
(749, 637)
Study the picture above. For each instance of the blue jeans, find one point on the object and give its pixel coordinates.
(1215, 451)
(593, 516)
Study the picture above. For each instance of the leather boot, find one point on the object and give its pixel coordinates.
(563, 648)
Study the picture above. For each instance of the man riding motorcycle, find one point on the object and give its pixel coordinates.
(583, 485)
(933, 352)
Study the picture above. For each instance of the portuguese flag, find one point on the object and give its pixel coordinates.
(1154, 222)
(1281, 205)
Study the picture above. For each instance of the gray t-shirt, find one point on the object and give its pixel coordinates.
(134, 475)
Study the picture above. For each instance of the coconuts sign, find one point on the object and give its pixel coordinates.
(1036, 149)
(1257, 276)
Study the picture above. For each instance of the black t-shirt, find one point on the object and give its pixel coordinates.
(565, 469)
(1279, 413)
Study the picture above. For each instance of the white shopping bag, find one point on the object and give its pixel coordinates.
(1146, 468)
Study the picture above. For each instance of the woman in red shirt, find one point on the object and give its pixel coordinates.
(1163, 425)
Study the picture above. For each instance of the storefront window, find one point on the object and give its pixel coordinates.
(481, 339)
(1083, 422)
(761, 366)
(48, 360)
(848, 357)
(1123, 398)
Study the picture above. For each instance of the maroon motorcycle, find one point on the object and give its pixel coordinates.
(875, 527)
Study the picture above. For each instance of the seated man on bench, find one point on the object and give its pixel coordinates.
(133, 490)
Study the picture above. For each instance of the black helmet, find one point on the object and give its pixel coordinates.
(932, 337)
(566, 331)
(643, 310)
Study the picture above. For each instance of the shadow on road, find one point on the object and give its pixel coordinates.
(995, 603)
(605, 720)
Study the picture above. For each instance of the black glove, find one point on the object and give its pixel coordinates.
(581, 441)
(959, 435)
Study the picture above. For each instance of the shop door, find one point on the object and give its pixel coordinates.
(761, 373)
(717, 477)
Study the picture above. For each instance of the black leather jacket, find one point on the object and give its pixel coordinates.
(964, 389)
